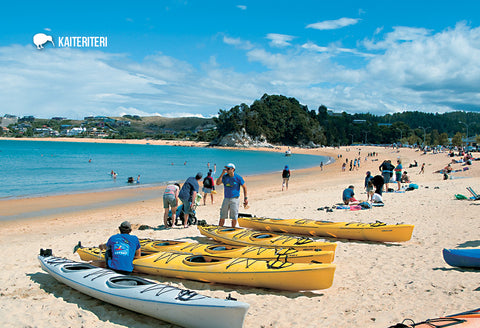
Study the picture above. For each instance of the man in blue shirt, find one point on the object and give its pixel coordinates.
(347, 195)
(122, 248)
(231, 201)
(187, 195)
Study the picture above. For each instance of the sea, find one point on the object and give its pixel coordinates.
(40, 168)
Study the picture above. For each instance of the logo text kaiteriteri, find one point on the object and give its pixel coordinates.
(82, 41)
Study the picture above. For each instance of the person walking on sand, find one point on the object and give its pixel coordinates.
(422, 169)
(122, 248)
(285, 177)
(187, 195)
(208, 187)
(231, 201)
(170, 201)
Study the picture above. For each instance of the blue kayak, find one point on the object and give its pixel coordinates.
(462, 257)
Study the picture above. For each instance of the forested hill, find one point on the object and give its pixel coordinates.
(283, 120)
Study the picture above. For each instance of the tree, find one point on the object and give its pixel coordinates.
(457, 139)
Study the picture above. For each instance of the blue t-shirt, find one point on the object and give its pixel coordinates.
(188, 188)
(123, 247)
(348, 193)
(232, 185)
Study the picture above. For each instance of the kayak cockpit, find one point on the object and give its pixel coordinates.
(127, 281)
(75, 267)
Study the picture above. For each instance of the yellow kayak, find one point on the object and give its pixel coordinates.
(238, 271)
(224, 251)
(377, 231)
(245, 237)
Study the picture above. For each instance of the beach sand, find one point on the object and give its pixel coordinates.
(375, 285)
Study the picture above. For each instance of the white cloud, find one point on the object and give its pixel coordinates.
(237, 42)
(334, 24)
(242, 7)
(407, 68)
(279, 40)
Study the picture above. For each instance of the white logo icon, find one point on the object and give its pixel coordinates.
(40, 39)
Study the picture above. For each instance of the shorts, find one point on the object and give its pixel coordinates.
(207, 190)
(230, 206)
(186, 207)
(398, 177)
(369, 189)
(169, 201)
(386, 176)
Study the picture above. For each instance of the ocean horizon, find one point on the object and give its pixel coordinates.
(40, 168)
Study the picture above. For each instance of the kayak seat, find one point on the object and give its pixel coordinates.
(129, 281)
(263, 236)
(197, 259)
(201, 259)
(78, 267)
(219, 248)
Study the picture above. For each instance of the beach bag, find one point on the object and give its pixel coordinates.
(207, 182)
(413, 185)
(365, 205)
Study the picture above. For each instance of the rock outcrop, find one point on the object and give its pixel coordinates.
(242, 139)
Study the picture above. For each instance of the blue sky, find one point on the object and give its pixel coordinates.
(192, 58)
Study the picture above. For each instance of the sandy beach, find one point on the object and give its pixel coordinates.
(375, 284)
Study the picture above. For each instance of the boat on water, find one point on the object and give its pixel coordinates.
(178, 306)
(375, 231)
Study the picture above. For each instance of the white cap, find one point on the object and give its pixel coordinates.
(230, 165)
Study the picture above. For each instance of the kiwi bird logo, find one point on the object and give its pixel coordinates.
(40, 39)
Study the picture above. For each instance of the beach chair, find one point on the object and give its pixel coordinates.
(474, 194)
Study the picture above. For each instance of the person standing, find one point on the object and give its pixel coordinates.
(170, 201)
(398, 173)
(387, 171)
(231, 201)
(369, 185)
(122, 248)
(285, 177)
(208, 186)
(187, 195)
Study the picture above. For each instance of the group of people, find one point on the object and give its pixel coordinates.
(187, 194)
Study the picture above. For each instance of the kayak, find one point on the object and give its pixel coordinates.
(245, 237)
(469, 319)
(179, 306)
(377, 231)
(224, 251)
(462, 257)
(238, 271)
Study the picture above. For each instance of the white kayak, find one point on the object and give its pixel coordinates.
(179, 306)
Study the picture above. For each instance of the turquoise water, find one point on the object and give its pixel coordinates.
(35, 168)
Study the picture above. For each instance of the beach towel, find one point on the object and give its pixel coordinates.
(355, 207)
(377, 204)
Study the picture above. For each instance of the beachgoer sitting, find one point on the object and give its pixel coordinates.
(348, 194)
(122, 248)
(405, 178)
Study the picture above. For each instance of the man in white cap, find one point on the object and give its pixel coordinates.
(231, 201)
